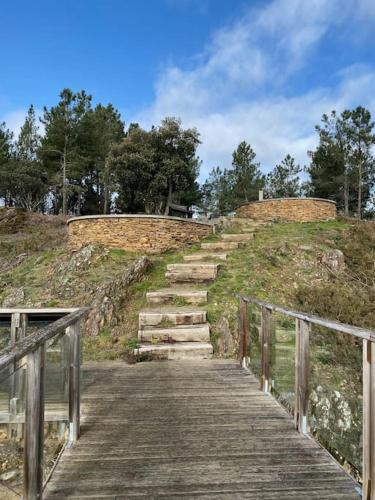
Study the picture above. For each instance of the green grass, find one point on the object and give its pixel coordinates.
(270, 266)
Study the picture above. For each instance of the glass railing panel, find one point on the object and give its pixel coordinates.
(335, 402)
(12, 428)
(254, 347)
(4, 335)
(56, 400)
(282, 359)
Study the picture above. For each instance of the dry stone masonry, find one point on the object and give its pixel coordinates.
(288, 209)
(139, 233)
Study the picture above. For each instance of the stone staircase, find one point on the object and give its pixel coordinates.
(173, 327)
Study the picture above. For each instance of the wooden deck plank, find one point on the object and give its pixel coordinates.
(189, 430)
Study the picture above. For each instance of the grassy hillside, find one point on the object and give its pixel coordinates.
(282, 265)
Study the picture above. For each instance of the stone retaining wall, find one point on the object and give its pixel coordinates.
(141, 233)
(289, 209)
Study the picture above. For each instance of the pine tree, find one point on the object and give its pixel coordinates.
(283, 181)
(61, 143)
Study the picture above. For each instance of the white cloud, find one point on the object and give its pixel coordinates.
(239, 86)
(16, 118)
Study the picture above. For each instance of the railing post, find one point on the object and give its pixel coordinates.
(34, 426)
(265, 349)
(368, 420)
(73, 333)
(301, 375)
(244, 334)
(17, 387)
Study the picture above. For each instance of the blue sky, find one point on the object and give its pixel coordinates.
(261, 71)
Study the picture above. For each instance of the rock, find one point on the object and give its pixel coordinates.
(8, 476)
(110, 297)
(225, 341)
(6, 265)
(333, 259)
(15, 298)
(82, 259)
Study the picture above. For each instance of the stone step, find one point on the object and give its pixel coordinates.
(175, 352)
(199, 256)
(237, 237)
(247, 221)
(173, 295)
(185, 273)
(220, 245)
(170, 317)
(179, 333)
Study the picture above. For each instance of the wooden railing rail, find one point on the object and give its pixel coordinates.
(303, 328)
(31, 350)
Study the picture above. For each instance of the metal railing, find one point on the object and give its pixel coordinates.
(301, 378)
(30, 351)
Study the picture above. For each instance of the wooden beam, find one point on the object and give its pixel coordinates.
(73, 333)
(34, 428)
(368, 420)
(14, 353)
(265, 349)
(38, 310)
(361, 333)
(244, 334)
(17, 388)
(301, 393)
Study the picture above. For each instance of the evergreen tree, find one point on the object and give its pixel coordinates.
(155, 168)
(247, 179)
(22, 176)
(361, 138)
(342, 166)
(175, 154)
(226, 189)
(5, 156)
(100, 129)
(61, 144)
(283, 181)
(6, 138)
(132, 162)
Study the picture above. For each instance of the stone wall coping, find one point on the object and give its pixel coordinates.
(138, 216)
(284, 199)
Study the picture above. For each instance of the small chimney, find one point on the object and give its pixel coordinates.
(261, 195)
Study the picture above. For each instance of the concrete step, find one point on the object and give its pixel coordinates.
(199, 256)
(179, 333)
(170, 317)
(237, 237)
(190, 273)
(173, 295)
(186, 350)
(220, 245)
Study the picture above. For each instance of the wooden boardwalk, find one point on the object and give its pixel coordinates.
(182, 430)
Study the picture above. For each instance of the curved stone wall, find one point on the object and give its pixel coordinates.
(140, 233)
(289, 209)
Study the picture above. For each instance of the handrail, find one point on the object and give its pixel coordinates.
(31, 350)
(356, 331)
(17, 351)
(302, 357)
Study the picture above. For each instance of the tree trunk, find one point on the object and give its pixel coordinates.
(359, 191)
(64, 197)
(169, 199)
(346, 193)
(78, 209)
(106, 189)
